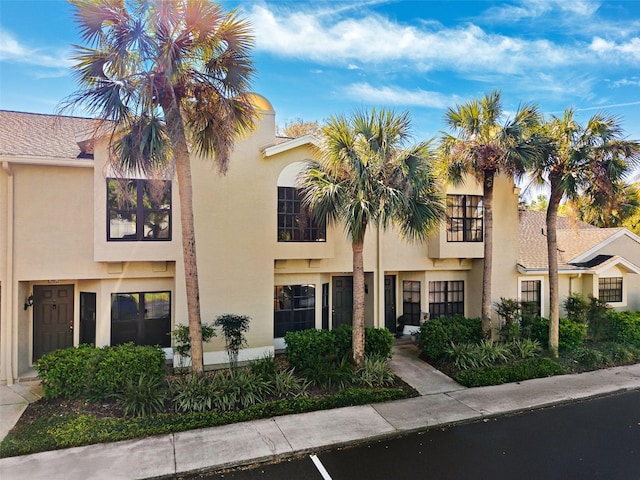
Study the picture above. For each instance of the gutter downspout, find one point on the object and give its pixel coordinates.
(8, 314)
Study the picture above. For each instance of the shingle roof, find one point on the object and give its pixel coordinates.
(574, 238)
(49, 136)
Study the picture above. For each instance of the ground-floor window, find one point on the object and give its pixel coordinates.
(143, 318)
(411, 306)
(610, 289)
(531, 297)
(294, 308)
(446, 298)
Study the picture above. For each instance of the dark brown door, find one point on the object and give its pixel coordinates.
(52, 318)
(342, 313)
(390, 302)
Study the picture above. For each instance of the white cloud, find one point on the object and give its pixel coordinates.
(375, 40)
(366, 93)
(528, 9)
(626, 82)
(623, 50)
(12, 50)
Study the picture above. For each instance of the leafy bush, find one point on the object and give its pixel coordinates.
(306, 345)
(287, 384)
(233, 328)
(329, 373)
(483, 354)
(182, 340)
(620, 353)
(523, 348)
(375, 372)
(97, 373)
(192, 393)
(516, 372)
(625, 327)
(437, 334)
(590, 358)
(264, 367)
(571, 334)
(576, 307)
(142, 397)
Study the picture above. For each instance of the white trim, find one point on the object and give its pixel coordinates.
(49, 162)
(623, 232)
(622, 277)
(245, 354)
(617, 260)
(290, 145)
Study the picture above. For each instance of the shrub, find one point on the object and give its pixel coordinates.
(329, 373)
(576, 307)
(310, 346)
(233, 328)
(375, 372)
(625, 327)
(590, 358)
(620, 353)
(192, 393)
(264, 367)
(182, 340)
(142, 396)
(287, 384)
(523, 348)
(437, 334)
(97, 373)
(516, 372)
(571, 334)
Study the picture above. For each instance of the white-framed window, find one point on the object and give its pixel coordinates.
(531, 295)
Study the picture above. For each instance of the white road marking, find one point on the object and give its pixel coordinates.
(323, 471)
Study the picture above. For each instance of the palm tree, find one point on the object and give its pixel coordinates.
(594, 158)
(481, 147)
(607, 209)
(164, 76)
(366, 175)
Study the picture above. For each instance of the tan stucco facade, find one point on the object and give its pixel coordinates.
(53, 232)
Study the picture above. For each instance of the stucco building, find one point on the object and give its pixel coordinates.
(79, 263)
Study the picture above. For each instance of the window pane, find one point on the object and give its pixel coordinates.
(294, 222)
(610, 289)
(141, 318)
(446, 299)
(156, 224)
(464, 218)
(122, 224)
(157, 319)
(294, 308)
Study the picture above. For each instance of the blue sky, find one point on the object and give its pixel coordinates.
(317, 58)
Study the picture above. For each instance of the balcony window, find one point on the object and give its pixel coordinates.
(294, 221)
(464, 218)
(138, 210)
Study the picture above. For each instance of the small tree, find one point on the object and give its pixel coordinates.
(182, 341)
(509, 310)
(233, 328)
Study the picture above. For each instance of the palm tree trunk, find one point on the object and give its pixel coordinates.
(552, 260)
(358, 304)
(175, 127)
(488, 253)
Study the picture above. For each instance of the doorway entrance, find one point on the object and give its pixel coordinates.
(52, 318)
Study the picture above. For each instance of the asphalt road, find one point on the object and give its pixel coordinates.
(593, 439)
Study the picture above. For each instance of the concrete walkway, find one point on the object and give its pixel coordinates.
(442, 402)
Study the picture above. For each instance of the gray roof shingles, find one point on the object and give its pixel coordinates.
(47, 136)
(574, 238)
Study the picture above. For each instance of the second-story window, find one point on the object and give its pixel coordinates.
(138, 210)
(464, 218)
(294, 221)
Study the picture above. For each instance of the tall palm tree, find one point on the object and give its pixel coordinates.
(480, 146)
(164, 76)
(592, 157)
(366, 175)
(607, 209)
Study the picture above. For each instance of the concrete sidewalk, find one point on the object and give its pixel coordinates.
(442, 402)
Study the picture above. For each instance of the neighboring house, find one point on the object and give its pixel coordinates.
(80, 264)
(603, 262)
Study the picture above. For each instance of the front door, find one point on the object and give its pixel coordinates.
(342, 312)
(390, 302)
(52, 318)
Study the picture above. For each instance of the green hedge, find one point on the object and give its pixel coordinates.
(625, 327)
(71, 430)
(516, 372)
(571, 334)
(306, 346)
(97, 373)
(437, 334)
